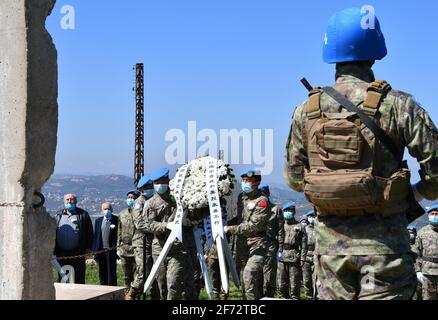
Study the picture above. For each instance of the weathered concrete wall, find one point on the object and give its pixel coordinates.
(28, 128)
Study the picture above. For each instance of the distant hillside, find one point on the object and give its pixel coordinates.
(92, 191)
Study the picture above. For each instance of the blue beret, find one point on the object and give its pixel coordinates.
(144, 181)
(160, 173)
(250, 172)
(310, 213)
(264, 187)
(289, 205)
(412, 228)
(134, 192)
(432, 208)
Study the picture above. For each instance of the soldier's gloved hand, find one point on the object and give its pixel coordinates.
(420, 277)
(170, 225)
(226, 229)
(280, 256)
(301, 263)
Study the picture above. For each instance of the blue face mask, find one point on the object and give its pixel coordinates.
(288, 215)
(246, 187)
(70, 206)
(107, 213)
(433, 220)
(148, 193)
(311, 220)
(412, 236)
(161, 188)
(130, 202)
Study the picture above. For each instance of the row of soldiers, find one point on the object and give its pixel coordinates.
(263, 236)
(425, 245)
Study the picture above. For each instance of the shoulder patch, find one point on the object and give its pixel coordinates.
(263, 204)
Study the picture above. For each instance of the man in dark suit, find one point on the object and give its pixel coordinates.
(74, 236)
(105, 237)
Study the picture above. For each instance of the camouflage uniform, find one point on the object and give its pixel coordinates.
(255, 215)
(158, 213)
(348, 248)
(427, 251)
(294, 251)
(126, 230)
(309, 267)
(418, 293)
(138, 243)
(214, 271)
(275, 235)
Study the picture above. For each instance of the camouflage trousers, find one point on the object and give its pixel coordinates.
(430, 287)
(308, 270)
(148, 264)
(129, 268)
(192, 275)
(214, 273)
(418, 292)
(289, 279)
(170, 276)
(372, 277)
(139, 279)
(253, 274)
(270, 273)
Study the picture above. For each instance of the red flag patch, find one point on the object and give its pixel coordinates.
(263, 204)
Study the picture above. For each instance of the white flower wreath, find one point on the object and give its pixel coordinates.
(194, 193)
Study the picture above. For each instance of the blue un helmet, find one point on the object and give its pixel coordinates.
(353, 34)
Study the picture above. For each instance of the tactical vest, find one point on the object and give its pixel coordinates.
(340, 148)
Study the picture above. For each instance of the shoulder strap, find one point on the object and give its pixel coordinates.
(376, 91)
(378, 132)
(313, 108)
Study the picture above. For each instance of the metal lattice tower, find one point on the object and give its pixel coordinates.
(139, 123)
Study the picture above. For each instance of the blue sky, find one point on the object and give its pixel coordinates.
(224, 63)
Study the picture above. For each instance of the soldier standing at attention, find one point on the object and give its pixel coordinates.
(291, 255)
(139, 239)
(427, 250)
(126, 230)
(255, 215)
(275, 234)
(345, 152)
(412, 230)
(308, 268)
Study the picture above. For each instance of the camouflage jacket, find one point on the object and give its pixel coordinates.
(275, 232)
(295, 242)
(310, 232)
(138, 240)
(427, 250)
(255, 217)
(125, 233)
(158, 212)
(409, 126)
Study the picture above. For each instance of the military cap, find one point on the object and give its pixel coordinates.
(250, 172)
(289, 205)
(135, 192)
(412, 228)
(304, 218)
(144, 181)
(432, 208)
(311, 213)
(264, 187)
(159, 174)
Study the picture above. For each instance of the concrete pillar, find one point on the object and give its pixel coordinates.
(28, 128)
